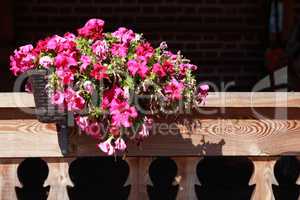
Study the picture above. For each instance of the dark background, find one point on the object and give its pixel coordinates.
(225, 38)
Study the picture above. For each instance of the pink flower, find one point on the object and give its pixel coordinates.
(124, 35)
(99, 72)
(94, 130)
(184, 67)
(23, 59)
(159, 70)
(168, 67)
(57, 98)
(100, 48)
(66, 76)
(88, 86)
(174, 89)
(82, 122)
(46, 61)
(120, 144)
(86, 61)
(115, 93)
(69, 93)
(137, 67)
(170, 55)
(203, 92)
(119, 50)
(145, 129)
(110, 146)
(92, 29)
(122, 114)
(69, 36)
(144, 51)
(64, 61)
(77, 103)
(107, 147)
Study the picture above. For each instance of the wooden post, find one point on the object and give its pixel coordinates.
(8, 178)
(138, 177)
(58, 178)
(186, 177)
(263, 178)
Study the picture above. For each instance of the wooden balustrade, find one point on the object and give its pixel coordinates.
(262, 127)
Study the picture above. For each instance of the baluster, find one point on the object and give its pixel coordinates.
(58, 178)
(263, 178)
(138, 177)
(9, 179)
(186, 177)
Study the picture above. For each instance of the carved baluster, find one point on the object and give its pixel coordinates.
(263, 178)
(186, 177)
(9, 179)
(58, 178)
(138, 177)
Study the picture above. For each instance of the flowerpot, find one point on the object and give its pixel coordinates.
(45, 111)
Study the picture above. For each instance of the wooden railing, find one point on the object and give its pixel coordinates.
(260, 127)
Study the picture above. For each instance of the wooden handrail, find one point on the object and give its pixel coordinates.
(236, 131)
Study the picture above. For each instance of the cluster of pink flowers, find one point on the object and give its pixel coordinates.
(97, 75)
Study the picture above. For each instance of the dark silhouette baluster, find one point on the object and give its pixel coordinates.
(162, 172)
(286, 172)
(99, 178)
(32, 174)
(224, 178)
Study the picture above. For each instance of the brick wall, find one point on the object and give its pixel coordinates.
(224, 37)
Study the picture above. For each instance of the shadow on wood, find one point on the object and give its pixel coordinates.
(99, 177)
(224, 178)
(162, 172)
(32, 174)
(286, 171)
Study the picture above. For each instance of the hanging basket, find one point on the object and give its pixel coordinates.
(45, 111)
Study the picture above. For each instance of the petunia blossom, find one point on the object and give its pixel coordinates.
(137, 67)
(174, 89)
(94, 130)
(124, 35)
(107, 147)
(100, 48)
(46, 61)
(57, 98)
(92, 29)
(99, 72)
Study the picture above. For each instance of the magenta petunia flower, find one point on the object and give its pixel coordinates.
(120, 144)
(57, 98)
(46, 61)
(94, 130)
(124, 35)
(64, 61)
(174, 89)
(119, 50)
(137, 67)
(86, 61)
(99, 72)
(159, 70)
(144, 51)
(100, 48)
(82, 122)
(122, 113)
(92, 29)
(107, 147)
(23, 59)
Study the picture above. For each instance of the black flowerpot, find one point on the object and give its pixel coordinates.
(45, 111)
